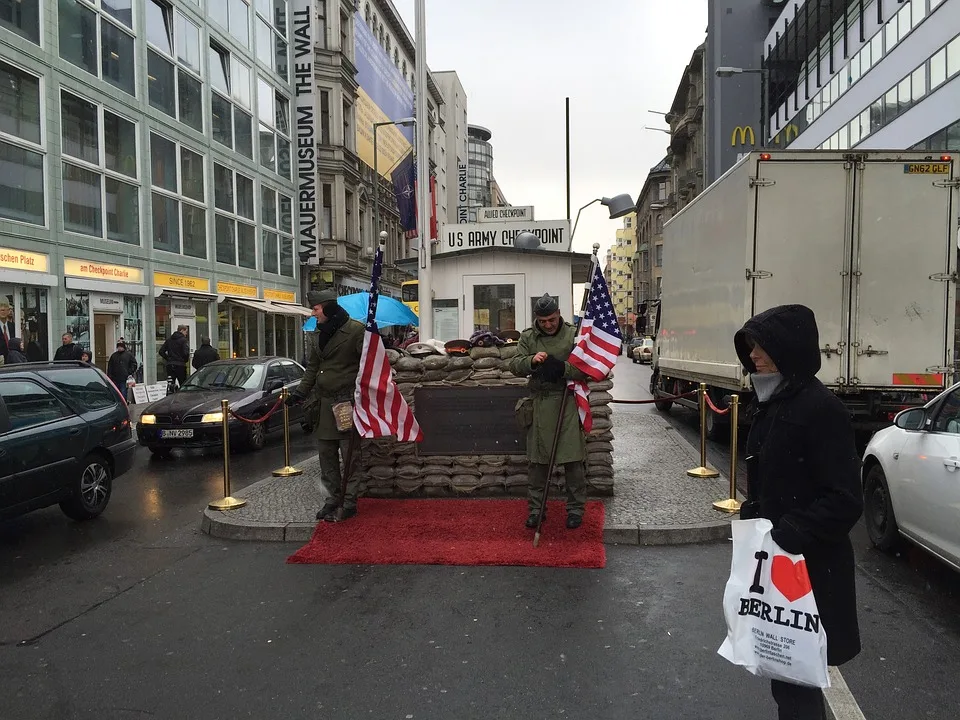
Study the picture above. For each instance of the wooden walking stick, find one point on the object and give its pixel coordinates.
(563, 401)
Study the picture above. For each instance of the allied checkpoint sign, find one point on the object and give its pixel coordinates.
(554, 235)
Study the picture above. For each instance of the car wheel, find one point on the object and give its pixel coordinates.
(91, 489)
(161, 452)
(878, 511)
(256, 436)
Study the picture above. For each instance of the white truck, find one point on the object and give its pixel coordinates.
(867, 239)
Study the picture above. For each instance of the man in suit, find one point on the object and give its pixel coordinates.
(8, 328)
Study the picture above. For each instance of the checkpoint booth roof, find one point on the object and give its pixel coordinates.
(482, 282)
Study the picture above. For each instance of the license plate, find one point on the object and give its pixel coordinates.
(166, 434)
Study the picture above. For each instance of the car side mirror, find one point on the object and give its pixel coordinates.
(913, 419)
(274, 385)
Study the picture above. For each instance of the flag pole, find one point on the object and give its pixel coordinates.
(594, 262)
(425, 285)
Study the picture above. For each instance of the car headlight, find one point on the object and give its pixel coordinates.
(214, 417)
(148, 420)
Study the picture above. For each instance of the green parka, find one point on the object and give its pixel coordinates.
(331, 375)
(547, 396)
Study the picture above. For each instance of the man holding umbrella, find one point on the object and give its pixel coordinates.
(542, 356)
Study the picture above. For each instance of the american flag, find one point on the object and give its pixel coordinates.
(379, 409)
(598, 344)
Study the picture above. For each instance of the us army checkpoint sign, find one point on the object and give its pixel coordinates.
(554, 235)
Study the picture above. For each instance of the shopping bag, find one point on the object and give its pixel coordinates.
(773, 625)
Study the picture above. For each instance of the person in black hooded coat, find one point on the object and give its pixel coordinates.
(803, 474)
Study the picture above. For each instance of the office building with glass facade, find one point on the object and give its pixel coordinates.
(145, 177)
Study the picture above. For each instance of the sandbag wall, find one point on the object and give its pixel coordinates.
(391, 469)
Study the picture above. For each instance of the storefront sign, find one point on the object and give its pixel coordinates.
(106, 303)
(181, 282)
(183, 309)
(554, 235)
(509, 214)
(304, 83)
(463, 198)
(22, 260)
(101, 271)
(229, 288)
(279, 295)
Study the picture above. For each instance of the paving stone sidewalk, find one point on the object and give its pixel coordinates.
(655, 501)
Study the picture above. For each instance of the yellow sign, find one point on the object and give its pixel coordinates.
(927, 168)
(279, 295)
(101, 271)
(23, 260)
(743, 133)
(181, 282)
(229, 288)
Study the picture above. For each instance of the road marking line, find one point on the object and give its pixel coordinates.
(841, 705)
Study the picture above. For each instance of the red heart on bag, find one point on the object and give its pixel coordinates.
(789, 577)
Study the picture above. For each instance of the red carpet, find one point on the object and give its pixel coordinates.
(456, 532)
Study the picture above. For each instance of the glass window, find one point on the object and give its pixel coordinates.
(890, 106)
(194, 231)
(919, 11)
(188, 43)
(223, 187)
(268, 207)
(876, 115)
(246, 246)
(163, 161)
(191, 174)
(123, 211)
(264, 37)
(953, 57)
(286, 257)
(286, 214)
(890, 37)
(120, 144)
(948, 415)
(191, 101)
(29, 405)
(161, 83)
(271, 252)
(78, 35)
(221, 117)
(80, 132)
(117, 59)
(21, 185)
(119, 9)
(220, 13)
(166, 226)
(853, 69)
(266, 102)
(267, 149)
(876, 49)
(244, 197)
(938, 69)
(904, 24)
(22, 18)
(19, 104)
(239, 27)
(280, 57)
(494, 307)
(243, 133)
(219, 68)
(282, 122)
(240, 83)
(159, 26)
(919, 83)
(82, 211)
(226, 240)
(904, 95)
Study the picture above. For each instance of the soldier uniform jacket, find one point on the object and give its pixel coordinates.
(331, 374)
(547, 396)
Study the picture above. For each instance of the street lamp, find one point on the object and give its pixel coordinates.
(376, 173)
(725, 71)
(647, 127)
(619, 205)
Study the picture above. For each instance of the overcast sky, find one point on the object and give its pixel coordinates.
(519, 59)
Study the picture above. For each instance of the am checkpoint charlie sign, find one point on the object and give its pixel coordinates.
(554, 235)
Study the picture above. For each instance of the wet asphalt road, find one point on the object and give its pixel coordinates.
(139, 615)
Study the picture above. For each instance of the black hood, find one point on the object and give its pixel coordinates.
(788, 334)
(190, 402)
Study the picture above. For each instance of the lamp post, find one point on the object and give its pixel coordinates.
(619, 205)
(376, 173)
(726, 71)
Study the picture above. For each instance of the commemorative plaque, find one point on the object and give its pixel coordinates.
(469, 420)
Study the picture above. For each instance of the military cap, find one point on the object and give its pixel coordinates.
(510, 337)
(319, 297)
(545, 306)
(422, 349)
(457, 347)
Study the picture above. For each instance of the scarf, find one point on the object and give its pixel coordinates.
(326, 330)
(766, 385)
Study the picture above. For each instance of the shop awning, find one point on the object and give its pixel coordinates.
(291, 309)
(270, 306)
(258, 305)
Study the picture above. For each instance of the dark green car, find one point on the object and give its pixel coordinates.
(64, 436)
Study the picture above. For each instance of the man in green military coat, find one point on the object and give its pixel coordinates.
(542, 356)
(333, 363)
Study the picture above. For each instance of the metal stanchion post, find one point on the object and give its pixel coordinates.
(227, 503)
(287, 470)
(731, 504)
(703, 471)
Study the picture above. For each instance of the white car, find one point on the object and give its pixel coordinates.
(911, 479)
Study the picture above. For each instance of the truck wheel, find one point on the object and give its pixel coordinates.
(661, 405)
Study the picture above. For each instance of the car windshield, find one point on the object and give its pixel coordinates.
(235, 376)
(648, 343)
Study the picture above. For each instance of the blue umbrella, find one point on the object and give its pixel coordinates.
(389, 310)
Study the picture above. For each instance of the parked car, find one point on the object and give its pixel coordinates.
(192, 417)
(65, 436)
(643, 351)
(911, 479)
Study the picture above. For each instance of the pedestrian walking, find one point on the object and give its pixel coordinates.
(542, 356)
(333, 363)
(68, 350)
(803, 474)
(176, 354)
(121, 365)
(205, 354)
(15, 352)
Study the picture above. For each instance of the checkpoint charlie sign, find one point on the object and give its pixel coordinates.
(554, 235)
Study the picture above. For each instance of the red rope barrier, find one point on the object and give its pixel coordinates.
(713, 407)
(262, 418)
(667, 398)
